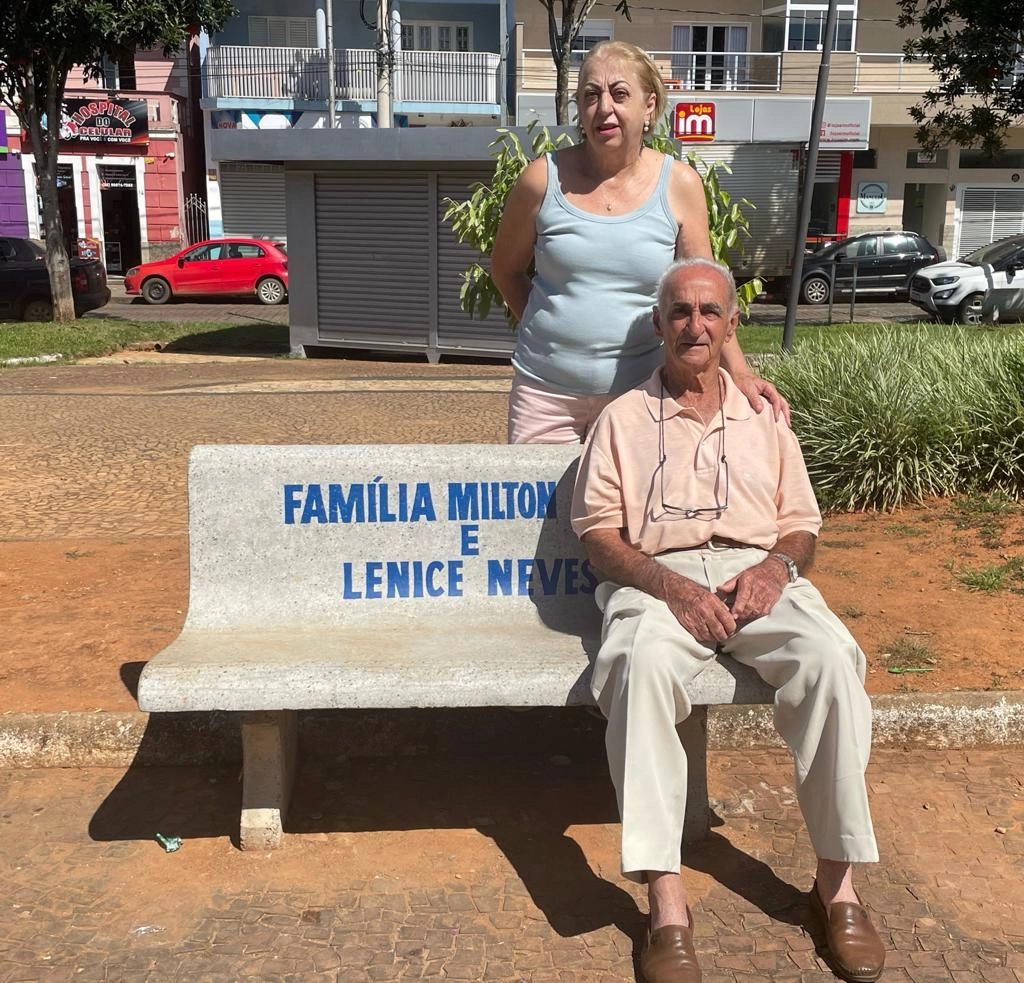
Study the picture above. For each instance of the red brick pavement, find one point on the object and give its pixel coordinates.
(412, 868)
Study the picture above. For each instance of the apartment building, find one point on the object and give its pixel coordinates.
(741, 77)
(130, 167)
(267, 70)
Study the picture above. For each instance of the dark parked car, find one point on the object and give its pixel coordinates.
(25, 282)
(885, 262)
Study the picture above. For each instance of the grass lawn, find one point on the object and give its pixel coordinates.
(91, 336)
(758, 339)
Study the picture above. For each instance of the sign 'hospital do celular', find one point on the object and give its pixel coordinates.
(122, 121)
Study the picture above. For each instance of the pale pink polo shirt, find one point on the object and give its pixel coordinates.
(619, 485)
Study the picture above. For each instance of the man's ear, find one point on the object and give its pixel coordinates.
(657, 322)
(730, 331)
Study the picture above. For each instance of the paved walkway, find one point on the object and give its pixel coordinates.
(501, 870)
(416, 866)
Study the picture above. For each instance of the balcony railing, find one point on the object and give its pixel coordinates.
(683, 71)
(888, 72)
(249, 72)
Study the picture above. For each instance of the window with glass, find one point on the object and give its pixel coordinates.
(807, 29)
(203, 253)
(979, 159)
(592, 32)
(710, 56)
(119, 73)
(436, 36)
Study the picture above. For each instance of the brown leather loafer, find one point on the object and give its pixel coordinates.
(856, 950)
(668, 956)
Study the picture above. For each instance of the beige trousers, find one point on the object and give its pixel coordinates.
(821, 710)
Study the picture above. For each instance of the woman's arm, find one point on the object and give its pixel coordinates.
(689, 205)
(513, 245)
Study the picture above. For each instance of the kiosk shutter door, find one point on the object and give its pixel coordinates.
(375, 282)
(456, 329)
(768, 177)
(252, 200)
(987, 214)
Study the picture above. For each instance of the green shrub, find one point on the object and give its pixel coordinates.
(890, 420)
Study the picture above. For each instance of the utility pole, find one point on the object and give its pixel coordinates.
(332, 109)
(804, 218)
(385, 65)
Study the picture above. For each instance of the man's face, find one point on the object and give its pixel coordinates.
(695, 321)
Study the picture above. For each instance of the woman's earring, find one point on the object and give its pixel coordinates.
(647, 126)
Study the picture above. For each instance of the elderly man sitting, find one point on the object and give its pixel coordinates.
(700, 515)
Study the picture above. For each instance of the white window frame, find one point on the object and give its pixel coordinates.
(263, 28)
(684, 68)
(415, 25)
(820, 7)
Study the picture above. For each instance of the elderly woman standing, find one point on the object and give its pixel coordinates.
(602, 220)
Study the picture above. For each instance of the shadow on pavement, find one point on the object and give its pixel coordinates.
(269, 338)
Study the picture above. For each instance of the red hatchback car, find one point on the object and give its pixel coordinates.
(216, 266)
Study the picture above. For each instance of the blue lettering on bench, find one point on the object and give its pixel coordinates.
(376, 501)
(470, 540)
(377, 579)
(540, 577)
(476, 500)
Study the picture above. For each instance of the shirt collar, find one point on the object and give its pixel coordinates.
(736, 405)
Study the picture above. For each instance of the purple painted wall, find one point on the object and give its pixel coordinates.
(13, 211)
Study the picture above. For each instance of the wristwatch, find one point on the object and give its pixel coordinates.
(789, 563)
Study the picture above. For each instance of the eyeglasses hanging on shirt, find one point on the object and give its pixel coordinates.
(705, 513)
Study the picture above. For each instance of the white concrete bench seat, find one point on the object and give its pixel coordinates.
(386, 577)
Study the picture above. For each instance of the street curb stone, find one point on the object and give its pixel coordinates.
(117, 739)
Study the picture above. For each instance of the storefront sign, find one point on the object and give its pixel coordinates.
(65, 176)
(123, 121)
(872, 197)
(695, 122)
(843, 132)
(113, 176)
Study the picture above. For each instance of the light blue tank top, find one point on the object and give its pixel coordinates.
(587, 328)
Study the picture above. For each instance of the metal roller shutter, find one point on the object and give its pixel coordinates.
(374, 245)
(252, 200)
(455, 329)
(768, 177)
(987, 214)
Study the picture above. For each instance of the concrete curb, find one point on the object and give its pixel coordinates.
(116, 740)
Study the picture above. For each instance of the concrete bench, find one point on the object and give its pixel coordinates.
(388, 577)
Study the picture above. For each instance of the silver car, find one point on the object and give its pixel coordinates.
(984, 286)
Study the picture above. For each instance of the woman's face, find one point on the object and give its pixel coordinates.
(612, 103)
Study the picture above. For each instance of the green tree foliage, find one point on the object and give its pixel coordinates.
(42, 40)
(975, 49)
(475, 220)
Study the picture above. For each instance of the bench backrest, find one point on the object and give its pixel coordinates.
(314, 536)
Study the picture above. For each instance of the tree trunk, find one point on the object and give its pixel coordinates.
(562, 67)
(45, 148)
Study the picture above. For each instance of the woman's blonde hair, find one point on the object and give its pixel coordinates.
(642, 63)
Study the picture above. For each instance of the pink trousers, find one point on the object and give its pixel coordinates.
(537, 415)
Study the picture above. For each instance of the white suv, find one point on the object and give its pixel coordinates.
(986, 285)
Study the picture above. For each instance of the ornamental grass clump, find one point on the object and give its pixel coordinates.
(890, 420)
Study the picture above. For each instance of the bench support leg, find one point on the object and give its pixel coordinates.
(693, 732)
(268, 768)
